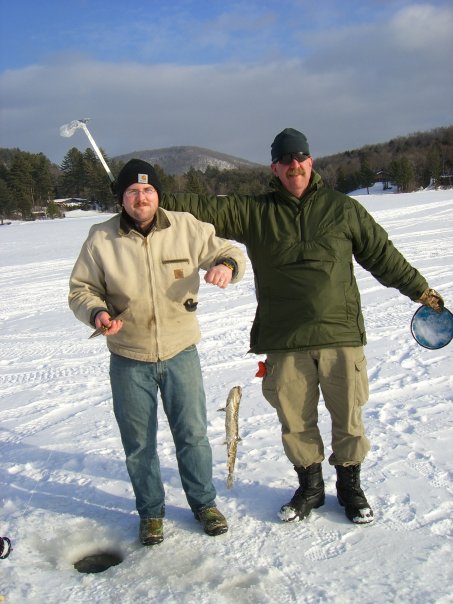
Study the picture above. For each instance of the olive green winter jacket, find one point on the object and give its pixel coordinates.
(302, 252)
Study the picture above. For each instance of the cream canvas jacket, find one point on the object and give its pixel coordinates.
(153, 280)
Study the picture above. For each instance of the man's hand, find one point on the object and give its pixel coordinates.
(108, 325)
(219, 275)
(432, 299)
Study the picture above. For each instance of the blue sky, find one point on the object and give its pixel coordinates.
(184, 32)
(223, 75)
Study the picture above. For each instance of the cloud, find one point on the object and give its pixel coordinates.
(423, 27)
(357, 85)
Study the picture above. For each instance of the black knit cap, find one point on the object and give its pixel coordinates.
(136, 171)
(289, 141)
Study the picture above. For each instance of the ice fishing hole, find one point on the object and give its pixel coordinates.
(98, 563)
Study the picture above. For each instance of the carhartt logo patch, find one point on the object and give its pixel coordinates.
(178, 273)
(143, 179)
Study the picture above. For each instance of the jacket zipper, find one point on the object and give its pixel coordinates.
(152, 286)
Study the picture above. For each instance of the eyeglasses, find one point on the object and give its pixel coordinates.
(287, 158)
(136, 192)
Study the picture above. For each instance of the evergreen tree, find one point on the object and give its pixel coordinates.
(53, 210)
(194, 183)
(97, 181)
(20, 181)
(71, 182)
(403, 173)
(44, 185)
(347, 182)
(366, 174)
(5, 200)
(93, 178)
(167, 181)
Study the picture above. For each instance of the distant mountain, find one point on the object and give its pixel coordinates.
(179, 160)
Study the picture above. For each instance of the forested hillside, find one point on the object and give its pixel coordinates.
(30, 183)
(409, 162)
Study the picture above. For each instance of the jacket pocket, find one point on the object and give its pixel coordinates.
(176, 261)
(180, 267)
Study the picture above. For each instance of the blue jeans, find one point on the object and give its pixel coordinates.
(135, 386)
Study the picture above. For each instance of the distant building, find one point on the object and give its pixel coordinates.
(78, 203)
(38, 213)
(444, 181)
(71, 202)
(384, 177)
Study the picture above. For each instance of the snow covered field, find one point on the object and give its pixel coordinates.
(65, 493)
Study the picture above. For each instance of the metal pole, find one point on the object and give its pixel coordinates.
(98, 152)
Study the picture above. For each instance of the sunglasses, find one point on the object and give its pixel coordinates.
(287, 158)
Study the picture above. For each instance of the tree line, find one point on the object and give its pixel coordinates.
(30, 181)
(405, 163)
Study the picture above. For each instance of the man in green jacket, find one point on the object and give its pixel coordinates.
(301, 238)
(136, 280)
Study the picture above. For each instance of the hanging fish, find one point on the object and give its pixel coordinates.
(232, 429)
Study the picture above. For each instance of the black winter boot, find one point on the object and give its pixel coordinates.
(351, 496)
(309, 495)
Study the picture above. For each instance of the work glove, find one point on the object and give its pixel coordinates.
(432, 299)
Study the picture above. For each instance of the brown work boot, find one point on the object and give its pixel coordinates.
(151, 531)
(212, 520)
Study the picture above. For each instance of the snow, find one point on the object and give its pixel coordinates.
(65, 493)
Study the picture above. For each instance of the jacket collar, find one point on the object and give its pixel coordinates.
(159, 223)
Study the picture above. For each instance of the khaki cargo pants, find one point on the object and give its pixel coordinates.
(292, 386)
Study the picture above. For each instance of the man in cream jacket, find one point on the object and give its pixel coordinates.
(136, 280)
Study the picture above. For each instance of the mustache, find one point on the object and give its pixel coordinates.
(296, 172)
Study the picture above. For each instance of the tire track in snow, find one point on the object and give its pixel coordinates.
(51, 374)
